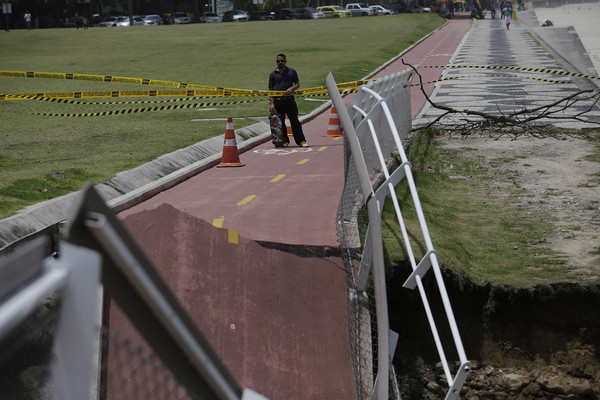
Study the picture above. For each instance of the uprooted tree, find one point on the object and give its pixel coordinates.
(537, 121)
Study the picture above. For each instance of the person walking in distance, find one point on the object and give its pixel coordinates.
(27, 18)
(284, 78)
(507, 12)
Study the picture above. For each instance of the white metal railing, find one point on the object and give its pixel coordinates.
(368, 128)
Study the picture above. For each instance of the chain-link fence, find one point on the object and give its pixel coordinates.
(131, 369)
(352, 221)
(26, 355)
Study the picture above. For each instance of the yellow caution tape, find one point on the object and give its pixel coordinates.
(107, 94)
(134, 93)
(116, 79)
(526, 69)
(496, 75)
(161, 93)
(200, 90)
(102, 103)
(145, 109)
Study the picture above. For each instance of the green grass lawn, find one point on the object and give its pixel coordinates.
(43, 157)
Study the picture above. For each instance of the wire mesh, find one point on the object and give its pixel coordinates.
(352, 222)
(130, 368)
(26, 355)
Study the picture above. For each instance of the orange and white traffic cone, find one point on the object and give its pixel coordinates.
(333, 128)
(230, 157)
(288, 126)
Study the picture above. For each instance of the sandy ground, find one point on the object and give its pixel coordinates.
(558, 179)
(584, 18)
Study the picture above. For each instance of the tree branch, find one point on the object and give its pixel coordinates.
(534, 121)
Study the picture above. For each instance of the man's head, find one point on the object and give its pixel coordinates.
(281, 60)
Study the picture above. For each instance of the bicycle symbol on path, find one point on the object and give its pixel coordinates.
(283, 152)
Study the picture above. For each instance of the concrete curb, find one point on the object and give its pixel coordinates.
(127, 188)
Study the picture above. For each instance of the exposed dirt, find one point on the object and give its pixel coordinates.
(526, 344)
(540, 343)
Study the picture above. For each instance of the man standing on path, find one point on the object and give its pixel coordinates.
(284, 78)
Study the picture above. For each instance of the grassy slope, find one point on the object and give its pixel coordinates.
(486, 235)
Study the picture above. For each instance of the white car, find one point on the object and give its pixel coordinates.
(153, 20)
(379, 10)
(122, 21)
(181, 18)
(110, 21)
(420, 9)
(209, 17)
(359, 9)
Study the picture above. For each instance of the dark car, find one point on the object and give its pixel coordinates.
(288, 13)
(309, 13)
(262, 16)
(235, 16)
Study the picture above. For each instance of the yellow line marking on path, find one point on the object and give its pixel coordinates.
(303, 161)
(233, 236)
(322, 148)
(247, 200)
(337, 137)
(277, 178)
(218, 222)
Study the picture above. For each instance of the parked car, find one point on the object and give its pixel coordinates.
(153, 20)
(420, 9)
(181, 18)
(210, 17)
(109, 21)
(309, 13)
(138, 20)
(262, 16)
(334, 12)
(235, 16)
(379, 10)
(122, 21)
(359, 9)
(288, 13)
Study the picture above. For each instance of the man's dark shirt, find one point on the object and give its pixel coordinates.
(283, 81)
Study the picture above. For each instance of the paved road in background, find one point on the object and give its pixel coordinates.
(506, 90)
(276, 318)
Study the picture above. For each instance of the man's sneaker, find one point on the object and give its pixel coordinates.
(286, 144)
(303, 144)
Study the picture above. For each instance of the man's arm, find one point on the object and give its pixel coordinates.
(293, 88)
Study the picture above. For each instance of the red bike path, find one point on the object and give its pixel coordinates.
(250, 252)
